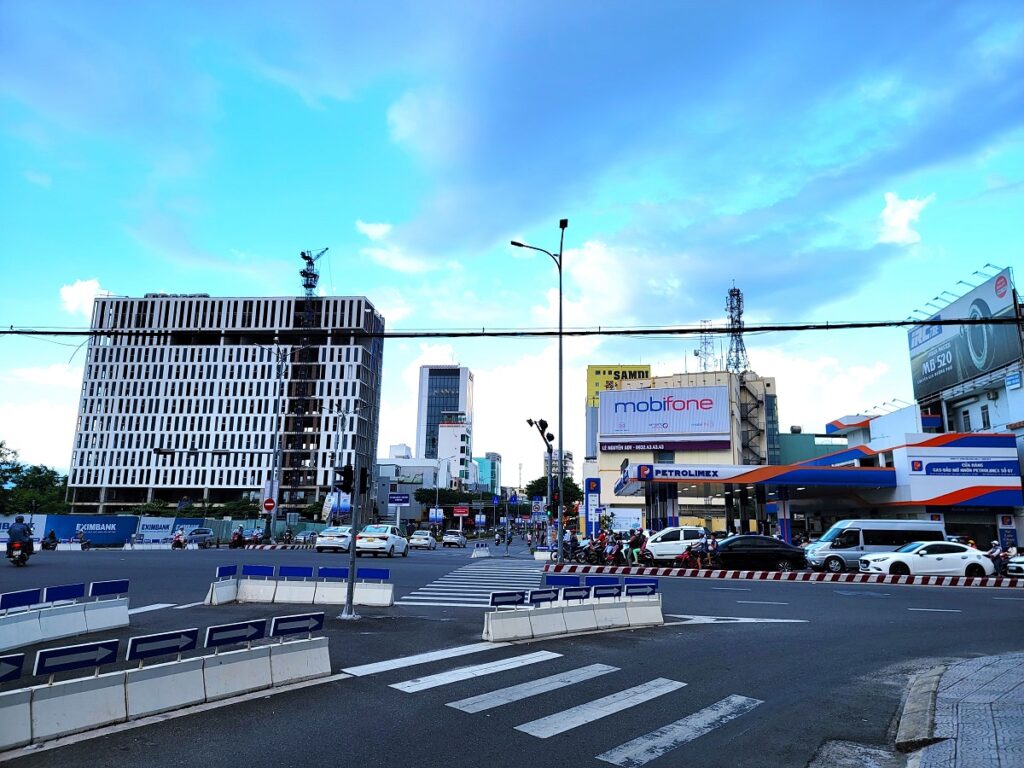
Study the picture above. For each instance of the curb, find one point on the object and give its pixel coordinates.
(917, 721)
(805, 576)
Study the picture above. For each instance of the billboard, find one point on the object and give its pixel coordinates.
(942, 356)
(603, 378)
(664, 416)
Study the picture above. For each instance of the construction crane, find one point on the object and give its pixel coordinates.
(310, 274)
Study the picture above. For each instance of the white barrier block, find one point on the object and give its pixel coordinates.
(106, 614)
(374, 594)
(222, 592)
(77, 705)
(481, 552)
(18, 629)
(610, 614)
(507, 625)
(62, 621)
(256, 590)
(299, 660)
(542, 556)
(330, 593)
(579, 617)
(15, 718)
(645, 612)
(295, 592)
(234, 672)
(163, 687)
(69, 547)
(545, 622)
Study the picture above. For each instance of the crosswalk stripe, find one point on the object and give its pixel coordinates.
(502, 696)
(465, 673)
(643, 749)
(472, 584)
(147, 608)
(552, 725)
(431, 603)
(420, 658)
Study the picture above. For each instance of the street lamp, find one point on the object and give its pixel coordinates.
(547, 437)
(562, 224)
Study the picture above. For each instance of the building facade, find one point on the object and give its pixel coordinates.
(444, 389)
(568, 463)
(199, 399)
(602, 378)
(489, 468)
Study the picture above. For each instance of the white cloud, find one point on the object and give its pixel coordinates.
(41, 430)
(429, 123)
(373, 231)
(398, 260)
(38, 178)
(78, 297)
(899, 217)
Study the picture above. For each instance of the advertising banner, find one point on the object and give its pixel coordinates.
(101, 530)
(942, 356)
(652, 415)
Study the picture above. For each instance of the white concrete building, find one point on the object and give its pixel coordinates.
(444, 390)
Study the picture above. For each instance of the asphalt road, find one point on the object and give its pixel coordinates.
(767, 692)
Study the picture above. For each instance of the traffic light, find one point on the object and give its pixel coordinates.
(555, 498)
(364, 480)
(547, 510)
(347, 479)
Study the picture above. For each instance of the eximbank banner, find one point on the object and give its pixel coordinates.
(675, 412)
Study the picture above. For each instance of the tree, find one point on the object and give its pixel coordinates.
(539, 487)
(38, 489)
(10, 469)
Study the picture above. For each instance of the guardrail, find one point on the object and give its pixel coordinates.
(30, 616)
(297, 584)
(55, 709)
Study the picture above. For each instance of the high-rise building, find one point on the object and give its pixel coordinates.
(568, 465)
(198, 398)
(455, 448)
(445, 390)
(490, 472)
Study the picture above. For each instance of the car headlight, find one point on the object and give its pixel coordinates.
(878, 559)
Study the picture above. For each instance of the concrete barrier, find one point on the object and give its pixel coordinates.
(480, 549)
(77, 705)
(256, 590)
(545, 622)
(579, 617)
(299, 660)
(295, 592)
(63, 621)
(106, 614)
(15, 718)
(507, 625)
(163, 687)
(221, 592)
(374, 594)
(70, 546)
(19, 629)
(234, 672)
(644, 611)
(330, 593)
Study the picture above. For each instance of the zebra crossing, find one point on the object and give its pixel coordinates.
(590, 708)
(472, 584)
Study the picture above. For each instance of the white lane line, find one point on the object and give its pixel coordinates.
(643, 749)
(732, 589)
(694, 619)
(153, 607)
(760, 602)
(1008, 598)
(552, 725)
(188, 605)
(420, 658)
(937, 610)
(466, 673)
(444, 605)
(503, 696)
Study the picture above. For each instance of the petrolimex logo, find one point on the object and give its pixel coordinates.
(644, 472)
(916, 465)
(667, 403)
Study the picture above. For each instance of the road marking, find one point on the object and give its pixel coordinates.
(188, 605)
(1008, 598)
(643, 749)
(552, 725)
(760, 602)
(418, 602)
(153, 607)
(937, 610)
(503, 696)
(420, 658)
(693, 619)
(860, 593)
(732, 589)
(466, 673)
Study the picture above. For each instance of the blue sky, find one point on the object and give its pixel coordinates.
(839, 161)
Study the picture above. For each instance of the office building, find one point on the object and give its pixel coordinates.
(445, 391)
(490, 472)
(568, 465)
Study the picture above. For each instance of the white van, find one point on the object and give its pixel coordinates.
(842, 546)
(666, 544)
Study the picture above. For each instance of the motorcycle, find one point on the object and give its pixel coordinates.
(17, 553)
(178, 542)
(237, 541)
(50, 544)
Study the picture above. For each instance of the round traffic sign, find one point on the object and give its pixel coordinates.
(269, 505)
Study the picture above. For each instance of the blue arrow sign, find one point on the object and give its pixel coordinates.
(507, 598)
(163, 644)
(85, 656)
(234, 634)
(608, 590)
(298, 624)
(538, 596)
(10, 667)
(576, 593)
(634, 590)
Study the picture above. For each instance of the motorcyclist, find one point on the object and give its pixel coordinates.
(995, 554)
(18, 531)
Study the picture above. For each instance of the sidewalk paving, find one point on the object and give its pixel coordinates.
(979, 711)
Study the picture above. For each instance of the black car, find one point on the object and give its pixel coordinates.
(760, 553)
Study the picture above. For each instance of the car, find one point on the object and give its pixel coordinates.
(453, 538)
(669, 543)
(1015, 566)
(422, 539)
(336, 539)
(929, 558)
(306, 537)
(760, 553)
(845, 543)
(381, 540)
(203, 537)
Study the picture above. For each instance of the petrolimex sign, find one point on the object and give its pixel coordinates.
(710, 472)
(668, 412)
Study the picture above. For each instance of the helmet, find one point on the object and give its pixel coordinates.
(19, 519)
(995, 543)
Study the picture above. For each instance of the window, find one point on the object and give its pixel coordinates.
(965, 417)
(898, 538)
(669, 536)
(985, 422)
(848, 538)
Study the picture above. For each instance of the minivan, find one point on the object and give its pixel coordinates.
(667, 544)
(842, 546)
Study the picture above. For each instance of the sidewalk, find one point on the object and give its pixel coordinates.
(979, 711)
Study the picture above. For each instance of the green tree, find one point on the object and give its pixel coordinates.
(155, 509)
(39, 489)
(10, 469)
(539, 487)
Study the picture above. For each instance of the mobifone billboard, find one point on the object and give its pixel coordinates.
(652, 414)
(942, 356)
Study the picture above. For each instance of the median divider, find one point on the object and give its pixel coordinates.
(32, 616)
(480, 549)
(296, 585)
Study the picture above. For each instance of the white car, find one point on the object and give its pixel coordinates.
(422, 539)
(335, 539)
(453, 539)
(930, 558)
(1015, 566)
(381, 540)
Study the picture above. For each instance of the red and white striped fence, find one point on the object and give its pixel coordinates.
(278, 546)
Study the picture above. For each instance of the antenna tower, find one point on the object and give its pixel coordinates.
(706, 349)
(737, 361)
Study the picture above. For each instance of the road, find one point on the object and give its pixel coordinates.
(783, 668)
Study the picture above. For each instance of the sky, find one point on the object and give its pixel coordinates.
(833, 160)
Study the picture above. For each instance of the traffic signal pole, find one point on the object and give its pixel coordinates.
(348, 479)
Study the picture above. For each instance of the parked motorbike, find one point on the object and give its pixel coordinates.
(17, 553)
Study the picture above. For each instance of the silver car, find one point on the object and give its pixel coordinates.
(453, 538)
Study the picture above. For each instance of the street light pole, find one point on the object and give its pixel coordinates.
(275, 478)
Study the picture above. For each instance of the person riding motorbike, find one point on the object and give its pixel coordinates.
(19, 532)
(995, 554)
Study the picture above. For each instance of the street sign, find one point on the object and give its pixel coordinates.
(507, 598)
(436, 515)
(537, 498)
(297, 624)
(513, 499)
(10, 667)
(233, 634)
(461, 511)
(163, 644)
(85, 656)
(478, 505)
(495, 500)
(481, 519)
(634, 590)
(399, 499)
(269, 504)
(538, 596)
(536, 507)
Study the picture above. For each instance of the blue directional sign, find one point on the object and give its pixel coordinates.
(495, 499)
(234, 634)
(225, 571)
(21, 599)
(608, 590)
(85, 656)
(513, 499)
(507, 598)
(105, 588)
(576, 593)
(398, 499)
(538, 596)
(10, 667)
(64, 592)
(163, 644)
(298, 624)
(537, 498)
(638, 590)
